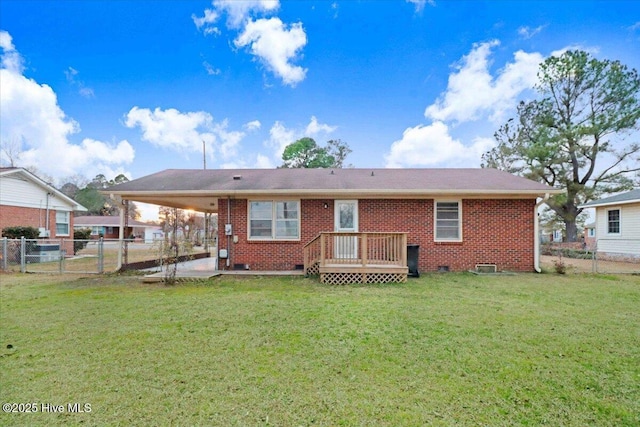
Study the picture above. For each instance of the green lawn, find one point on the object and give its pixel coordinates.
(450, 349)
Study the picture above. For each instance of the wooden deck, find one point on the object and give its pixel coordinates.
(341, 258)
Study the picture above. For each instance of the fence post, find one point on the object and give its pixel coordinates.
(101, 255)
(5, 254)
(23, 255)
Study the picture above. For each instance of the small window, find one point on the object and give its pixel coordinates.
(274, 220)
(592, 232)
(613, 221)
(62, 223)
(448, 225)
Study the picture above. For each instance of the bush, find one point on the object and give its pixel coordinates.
(20, 231)
(80, 239)
(566, 252)
(559, 266)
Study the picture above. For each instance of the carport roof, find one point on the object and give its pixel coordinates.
(199, 189)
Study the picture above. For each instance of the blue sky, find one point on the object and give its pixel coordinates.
(134, 87)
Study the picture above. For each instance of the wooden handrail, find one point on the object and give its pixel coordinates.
(351, 248)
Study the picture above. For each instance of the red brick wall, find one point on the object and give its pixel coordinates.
(15, 216)
(272, 255)
(494, 232)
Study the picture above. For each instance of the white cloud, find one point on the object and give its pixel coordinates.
(280, 136)
(11, 59)
(228, 140)
(237, 13)
(527, 32)
(472, 91)
(210, 17)
(260, 162)
(315, 128)
(275, 46)
(432, 145)
(211, 70)
(253, 125)
(172, 129)
(185, 132)
(32, 118)
(419, 4)
(84, 91)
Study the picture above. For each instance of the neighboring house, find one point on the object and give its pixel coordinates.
(108, 227)
(617, 226)
(551, 234)
(459, 217)
(590, 236)
(26, 200)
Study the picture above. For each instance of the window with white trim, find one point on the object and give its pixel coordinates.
(62, 223)
(613, 221)
(274, 220)
(592, 232)
(448, 221)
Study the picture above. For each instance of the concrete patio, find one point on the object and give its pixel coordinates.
(206, 268)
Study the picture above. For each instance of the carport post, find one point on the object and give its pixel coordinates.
(121, 235)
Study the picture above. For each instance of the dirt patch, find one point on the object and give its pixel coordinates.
(587, 265)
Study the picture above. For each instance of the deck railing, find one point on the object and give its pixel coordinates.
(356, 249)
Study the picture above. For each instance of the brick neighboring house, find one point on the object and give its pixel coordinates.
(458, 217)
(108, 227)
(590, 236)
(26, 200)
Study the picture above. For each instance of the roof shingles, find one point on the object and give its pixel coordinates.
(220, 181)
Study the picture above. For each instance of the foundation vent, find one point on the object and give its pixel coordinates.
(486, 268)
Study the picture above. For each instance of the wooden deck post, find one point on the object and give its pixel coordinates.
(403, 250)
(364, 248)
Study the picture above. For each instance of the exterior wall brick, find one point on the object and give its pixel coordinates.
(494, 231)
(15, 216)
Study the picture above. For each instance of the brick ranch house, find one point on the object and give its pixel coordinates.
(266, 217)
(26, 200)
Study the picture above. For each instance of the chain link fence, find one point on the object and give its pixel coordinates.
(592, 259)
(81, 256)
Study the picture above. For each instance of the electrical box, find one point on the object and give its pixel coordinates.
(228, 230)
(222, 253)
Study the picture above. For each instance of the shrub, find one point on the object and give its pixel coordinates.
(559, 266)
(20, 231)
(80, 237)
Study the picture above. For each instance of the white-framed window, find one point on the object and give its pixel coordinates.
(591, 232)
(274, 220)
(448, 221)
(62, 223)
(557, 236)
(613, 221)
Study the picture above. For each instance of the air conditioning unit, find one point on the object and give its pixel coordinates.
(43, 232)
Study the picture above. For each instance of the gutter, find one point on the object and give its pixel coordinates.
(536, 234)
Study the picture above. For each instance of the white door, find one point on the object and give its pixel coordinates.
(346, 220)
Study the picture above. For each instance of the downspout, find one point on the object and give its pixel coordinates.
(536, 234)
(228, 263)
(46, 219)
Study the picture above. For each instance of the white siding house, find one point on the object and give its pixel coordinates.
(618, 225)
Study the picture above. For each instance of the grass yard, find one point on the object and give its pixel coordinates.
(449, 349)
